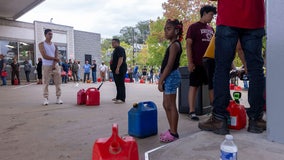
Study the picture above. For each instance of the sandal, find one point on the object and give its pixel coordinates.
(168, 137)
(164, 133)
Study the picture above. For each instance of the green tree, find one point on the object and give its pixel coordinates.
(156, 42)
(184, 10)
(106, 50)
(137, 34)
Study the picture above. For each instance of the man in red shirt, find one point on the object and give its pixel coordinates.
(198, 37)
(244, 20)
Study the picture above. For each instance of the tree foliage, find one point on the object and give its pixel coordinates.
(156, 42)
(107, 50)
(150, 34)
(137, 34)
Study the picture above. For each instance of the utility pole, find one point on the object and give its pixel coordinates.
(133, 39)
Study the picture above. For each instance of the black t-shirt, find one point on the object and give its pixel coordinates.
(94, 67)
(117, 53)
(166, 57)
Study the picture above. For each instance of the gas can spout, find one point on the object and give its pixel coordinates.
(115, 147)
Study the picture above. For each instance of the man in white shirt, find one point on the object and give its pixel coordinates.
(103, 69)
(50, 66)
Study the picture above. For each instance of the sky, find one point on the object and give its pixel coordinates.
(105, 17)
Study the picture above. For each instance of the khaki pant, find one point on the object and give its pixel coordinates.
(103, 75)
(48, 73)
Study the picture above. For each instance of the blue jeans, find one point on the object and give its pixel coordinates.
(225, 46)
(64, 79)
(172, 82)
(135, 76)
(94, 76)
(4, 82)
(86, 75)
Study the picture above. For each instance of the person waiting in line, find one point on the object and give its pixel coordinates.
(87, 69)
(65, 68)
(135, 73)
(130, 73)
(27, 69)
(94, 71)
(75, 68)
(103, 69)
(15, 70)
(79, 71)
(209, 64)
(197, 40)
(3, 69)
(248, 26)
(170, 77)
(144, 73)
(119, 68)
(69, 74)
(50, 67)
(39, 71)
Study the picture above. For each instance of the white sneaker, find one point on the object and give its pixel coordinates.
(59, 101)
(45, 102)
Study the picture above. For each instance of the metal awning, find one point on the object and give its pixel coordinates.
(13, 9)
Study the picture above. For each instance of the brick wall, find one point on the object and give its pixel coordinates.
(87, 43)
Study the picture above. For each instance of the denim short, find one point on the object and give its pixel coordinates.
(172, 82)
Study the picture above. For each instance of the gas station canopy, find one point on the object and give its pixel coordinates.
(13, 9)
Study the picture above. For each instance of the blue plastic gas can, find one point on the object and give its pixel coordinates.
(143, 119)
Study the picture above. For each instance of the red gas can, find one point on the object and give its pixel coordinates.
(232, 86)
(238, 115)
(127, 80)
(142, 80)
(16, 82)
(81, 97)
(115, 148)
(92, 97)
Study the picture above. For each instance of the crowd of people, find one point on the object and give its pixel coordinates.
(235, 30)
(242, 31)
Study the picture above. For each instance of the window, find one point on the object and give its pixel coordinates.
(62, 53)
(9, 49)
(26, 51)
(20, 50)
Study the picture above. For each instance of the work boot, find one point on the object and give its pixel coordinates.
(255, 127)
(261, 123)
(215, 125)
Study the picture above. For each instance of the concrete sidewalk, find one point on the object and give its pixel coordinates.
(30, 131)
(206, 146)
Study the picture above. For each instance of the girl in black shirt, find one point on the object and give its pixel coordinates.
(170, 77)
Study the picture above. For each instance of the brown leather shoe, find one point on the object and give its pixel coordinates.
(253, 126)
(215, 125)
(261, 123)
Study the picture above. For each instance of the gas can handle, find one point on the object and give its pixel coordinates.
(149, 103)
(115, 147)
(115, 129)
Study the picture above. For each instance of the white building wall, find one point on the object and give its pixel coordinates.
(61, 34)
(275, 76)
(86, 42)
(15, 30)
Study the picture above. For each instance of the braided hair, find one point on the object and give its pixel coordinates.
(178, 25)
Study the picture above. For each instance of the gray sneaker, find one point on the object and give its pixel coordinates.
(119, 101)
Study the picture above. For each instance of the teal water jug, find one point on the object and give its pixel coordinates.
(143, 120)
